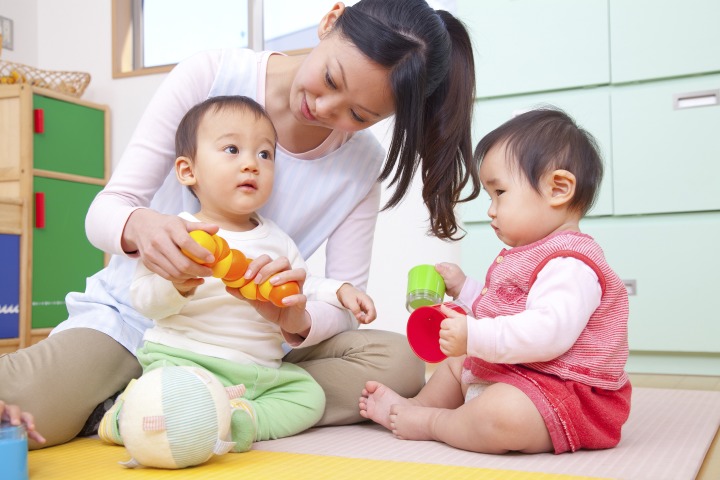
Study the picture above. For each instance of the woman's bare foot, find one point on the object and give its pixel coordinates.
(376, 401)
(413, 422)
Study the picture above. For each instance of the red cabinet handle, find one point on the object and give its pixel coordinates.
(39, 209)
(39, 120)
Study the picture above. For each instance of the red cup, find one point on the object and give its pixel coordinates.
(423, 331)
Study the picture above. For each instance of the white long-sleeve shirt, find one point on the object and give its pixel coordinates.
(328, 194)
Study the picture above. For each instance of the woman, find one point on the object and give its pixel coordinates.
(375, 59)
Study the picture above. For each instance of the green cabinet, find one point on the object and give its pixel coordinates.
(62, 256)
(525, 46)
(651, 39)
(54, 162)
(665, 139)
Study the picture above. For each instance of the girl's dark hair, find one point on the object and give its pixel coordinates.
(432, 76)
(546, 139)
(186, 135)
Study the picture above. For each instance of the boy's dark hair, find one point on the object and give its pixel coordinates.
(546, 139)
(186, 134)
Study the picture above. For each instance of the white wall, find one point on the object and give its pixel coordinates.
(76, 35)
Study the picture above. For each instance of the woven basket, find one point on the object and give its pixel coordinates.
(69, 83)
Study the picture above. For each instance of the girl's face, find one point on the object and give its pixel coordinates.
(234, 168)
(338, 87)
(520, 215)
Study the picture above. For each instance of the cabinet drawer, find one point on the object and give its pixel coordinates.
(9, 286)
(62, 256)
(72, 140)
(651, 39)
(658, 148)
(675, 263)
(529, 45)
(589, 107)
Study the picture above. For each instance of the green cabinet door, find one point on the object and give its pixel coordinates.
(71, 140)
(666, 150)
(62, 256)
(525, 46)
(651, 39)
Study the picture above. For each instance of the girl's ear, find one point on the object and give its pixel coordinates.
(561, 186)
(184, 171)
(328, 21)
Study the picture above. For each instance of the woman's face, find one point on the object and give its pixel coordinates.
(340, 88)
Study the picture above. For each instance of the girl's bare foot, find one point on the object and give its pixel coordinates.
(376, 401)
(413, 422)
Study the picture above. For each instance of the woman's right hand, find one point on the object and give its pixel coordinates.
(157, 238)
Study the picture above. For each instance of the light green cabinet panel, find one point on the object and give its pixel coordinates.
(589, 107)
(666, 159)
(675, 262)
(651, 39)
(529, 45)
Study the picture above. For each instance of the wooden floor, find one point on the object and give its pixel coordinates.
(710, 469)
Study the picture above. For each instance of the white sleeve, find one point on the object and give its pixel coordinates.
(559, 305)
(150, 155)
(153, 296)
(347, 260)
(470, 291)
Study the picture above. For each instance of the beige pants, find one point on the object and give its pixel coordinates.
(61, 379)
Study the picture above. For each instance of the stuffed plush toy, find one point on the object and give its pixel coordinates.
(176, 417)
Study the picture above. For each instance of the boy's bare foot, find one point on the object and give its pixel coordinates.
(376, 401)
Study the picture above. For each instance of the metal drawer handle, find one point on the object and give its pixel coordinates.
(705, 98)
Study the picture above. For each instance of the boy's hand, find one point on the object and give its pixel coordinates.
(187, 287)
(453, 276)
(453, 333)
(358, 302)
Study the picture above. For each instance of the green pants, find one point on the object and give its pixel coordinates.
(286, 400)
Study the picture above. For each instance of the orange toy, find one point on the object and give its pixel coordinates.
(230, 265)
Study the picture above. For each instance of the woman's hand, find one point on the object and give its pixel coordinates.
(453, 276)
(292, 318)
(158, 238)
(453, 333)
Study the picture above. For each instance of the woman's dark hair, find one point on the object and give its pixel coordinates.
(546, 139)
(432, 76)
(186, 135)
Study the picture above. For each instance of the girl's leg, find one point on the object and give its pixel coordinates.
(443, 390)
(61, 379)
(500, 420)
(344, 363)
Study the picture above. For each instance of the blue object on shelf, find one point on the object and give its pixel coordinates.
(9, 286)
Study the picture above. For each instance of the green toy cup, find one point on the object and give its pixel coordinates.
(425, 287)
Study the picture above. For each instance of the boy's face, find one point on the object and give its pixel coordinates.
(520, 215)
(234, 166)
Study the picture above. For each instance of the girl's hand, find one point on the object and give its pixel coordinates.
(453, 276)
(158, 238)
(358, 302)
(453, 333)
(13, 414)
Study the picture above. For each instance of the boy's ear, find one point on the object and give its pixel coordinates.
(561, 186)
(328, 21)
(184, 171)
